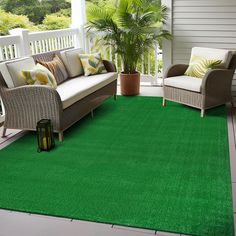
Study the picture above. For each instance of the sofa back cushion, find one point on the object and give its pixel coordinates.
(12, 71)
(70, 58)
(57, 68)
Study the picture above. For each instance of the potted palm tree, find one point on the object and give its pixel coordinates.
(131, 27)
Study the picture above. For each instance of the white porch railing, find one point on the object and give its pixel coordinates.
(21, 42)
(9, 47)
(53, 40)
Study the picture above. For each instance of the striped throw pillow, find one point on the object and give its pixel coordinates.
(92, 64)
(198, 66)
(57, 68)
(39, 75)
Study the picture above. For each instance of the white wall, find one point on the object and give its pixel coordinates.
(207, 23)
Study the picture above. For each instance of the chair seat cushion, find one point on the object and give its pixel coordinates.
(184, 82)
(77, 88)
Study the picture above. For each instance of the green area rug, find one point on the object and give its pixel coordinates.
(134, 164)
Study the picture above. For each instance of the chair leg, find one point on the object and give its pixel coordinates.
(61, 136)
(91, 112)
(202, 113)
(163, 102)
(4, 132)
(115, 97)
(232, 103)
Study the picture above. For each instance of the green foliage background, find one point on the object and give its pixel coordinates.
(34, 15)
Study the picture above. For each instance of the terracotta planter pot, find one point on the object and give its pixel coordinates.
(130, 84)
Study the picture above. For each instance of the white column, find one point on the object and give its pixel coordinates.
(24, 47)
(78, 18)
(167, 44)
(78, 13)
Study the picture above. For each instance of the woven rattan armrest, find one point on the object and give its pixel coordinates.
(176, 70)
(110, 66)
(26, 105)
(217, 81)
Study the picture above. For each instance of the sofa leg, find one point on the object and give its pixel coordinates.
(61, 136)
(91, 112)
(163, 102)
(202, 113)
(115, 97)
(4, 132)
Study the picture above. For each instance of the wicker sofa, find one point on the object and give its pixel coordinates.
(211, 91)
(73, 99)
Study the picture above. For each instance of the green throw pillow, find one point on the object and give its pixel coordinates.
(198, 66)
(92, 64)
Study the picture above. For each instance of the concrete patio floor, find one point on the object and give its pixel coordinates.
(24, 224)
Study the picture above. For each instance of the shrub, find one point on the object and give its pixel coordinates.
(10, 21)
(55, 21)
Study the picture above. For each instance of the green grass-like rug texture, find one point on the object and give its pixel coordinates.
(134, 164)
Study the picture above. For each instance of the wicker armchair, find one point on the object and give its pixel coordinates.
(214, 88)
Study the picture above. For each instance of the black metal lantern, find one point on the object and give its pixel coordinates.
(45, 135)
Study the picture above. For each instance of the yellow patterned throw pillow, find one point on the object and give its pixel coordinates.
(198, 66)
(92, 64)
(39, 75)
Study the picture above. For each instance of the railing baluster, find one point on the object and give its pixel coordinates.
(67, 41)
(64, 41)
(6, 53)
(11, 52)
(50, 44)
(156, 61)
(116, 61)
(1, 54)
(53, 44)
(71, 41)
(15, 51)
(40, 46)
(61, 42)
(43, 45)
(122, 64)
(46, 44)
(110, 53)
(142, 64)
(149, 63)
(57, 43)
(32, 48)
(36, 47)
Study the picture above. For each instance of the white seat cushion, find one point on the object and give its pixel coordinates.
(12, 71)
(75, 89)
(70, 58)
(184, 82)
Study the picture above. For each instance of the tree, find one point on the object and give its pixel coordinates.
(10, 21)
(57, 5)
(55, 21)
(35, 10)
